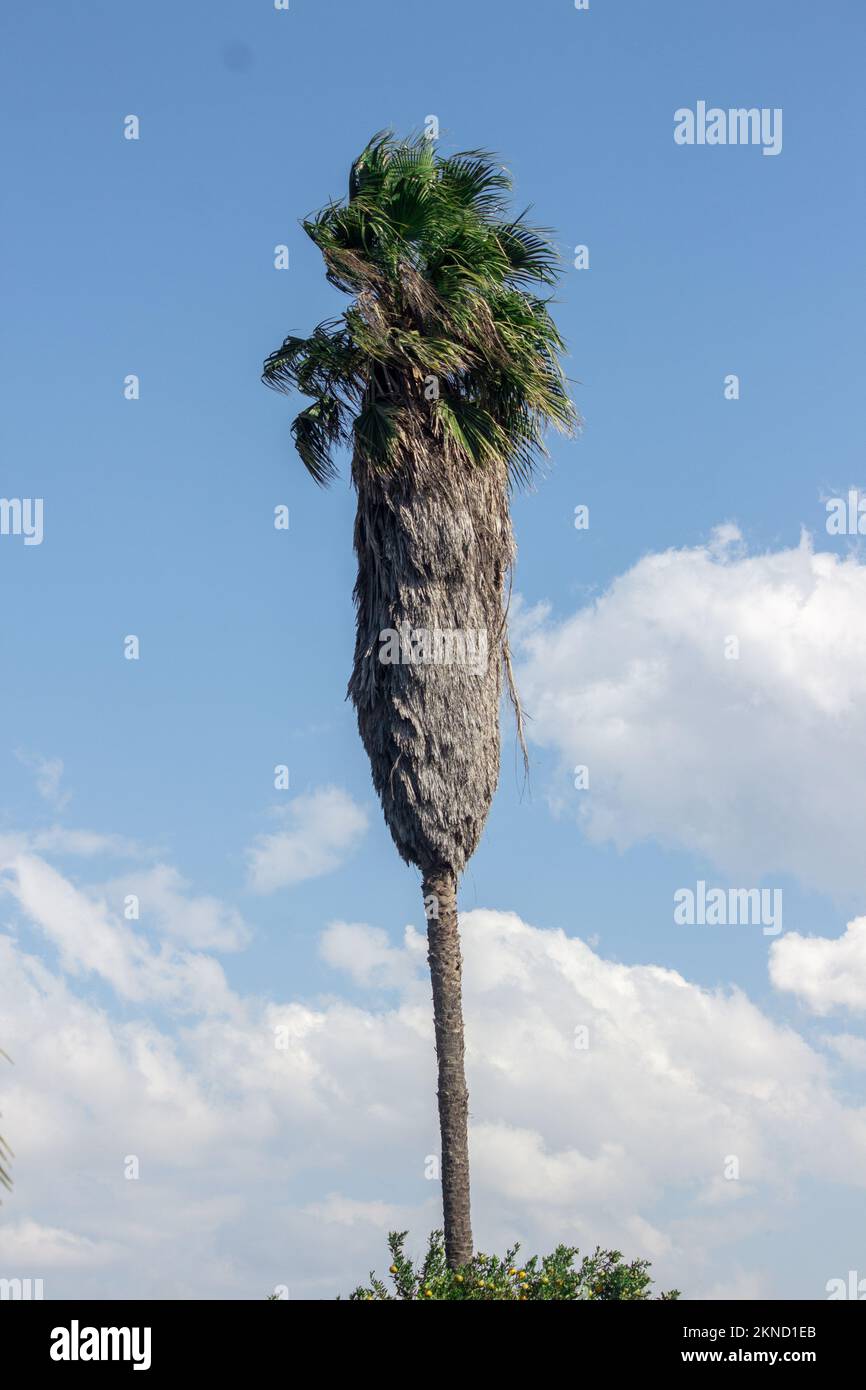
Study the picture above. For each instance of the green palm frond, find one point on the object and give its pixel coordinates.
(316, 431)
(529, 252)
(368, 170)
(441, 278)
(376, 428)
(474, 183)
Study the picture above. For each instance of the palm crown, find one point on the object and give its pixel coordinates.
(441, 279)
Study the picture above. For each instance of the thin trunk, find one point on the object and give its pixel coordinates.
(443, 938)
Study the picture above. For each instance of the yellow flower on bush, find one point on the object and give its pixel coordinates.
(486, 1279)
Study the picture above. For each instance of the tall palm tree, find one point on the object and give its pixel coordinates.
(442, 377)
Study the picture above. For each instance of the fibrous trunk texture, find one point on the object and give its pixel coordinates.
(443, 938)
(434, 547)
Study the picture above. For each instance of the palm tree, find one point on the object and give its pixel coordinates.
(442, 377)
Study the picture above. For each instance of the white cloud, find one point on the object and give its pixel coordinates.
(336, 1210)
(851, 1050)
(825, 973)
(49, 774)
(323, 828)
(91, 939)
(279, 1141)
(60, 839)
(366, 954)
(167, 907)
(756, 762)
(42, 1247)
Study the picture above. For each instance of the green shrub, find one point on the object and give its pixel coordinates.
(602, 1276)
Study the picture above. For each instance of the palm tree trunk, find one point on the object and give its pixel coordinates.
(443, 938)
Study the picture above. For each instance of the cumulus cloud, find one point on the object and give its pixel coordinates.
(718, 700)
(279, 1140)
(825, 973)
(167, 907)
(49, 775)
(321, 828)
(76, 843)
(40, 1247)
(850, 1049)
(93, 940)
(366, 954)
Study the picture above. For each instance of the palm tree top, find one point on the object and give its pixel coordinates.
(447, 342)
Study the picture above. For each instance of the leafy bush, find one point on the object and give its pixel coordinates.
(602, 1276)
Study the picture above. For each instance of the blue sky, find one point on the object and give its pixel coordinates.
(155, 257)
